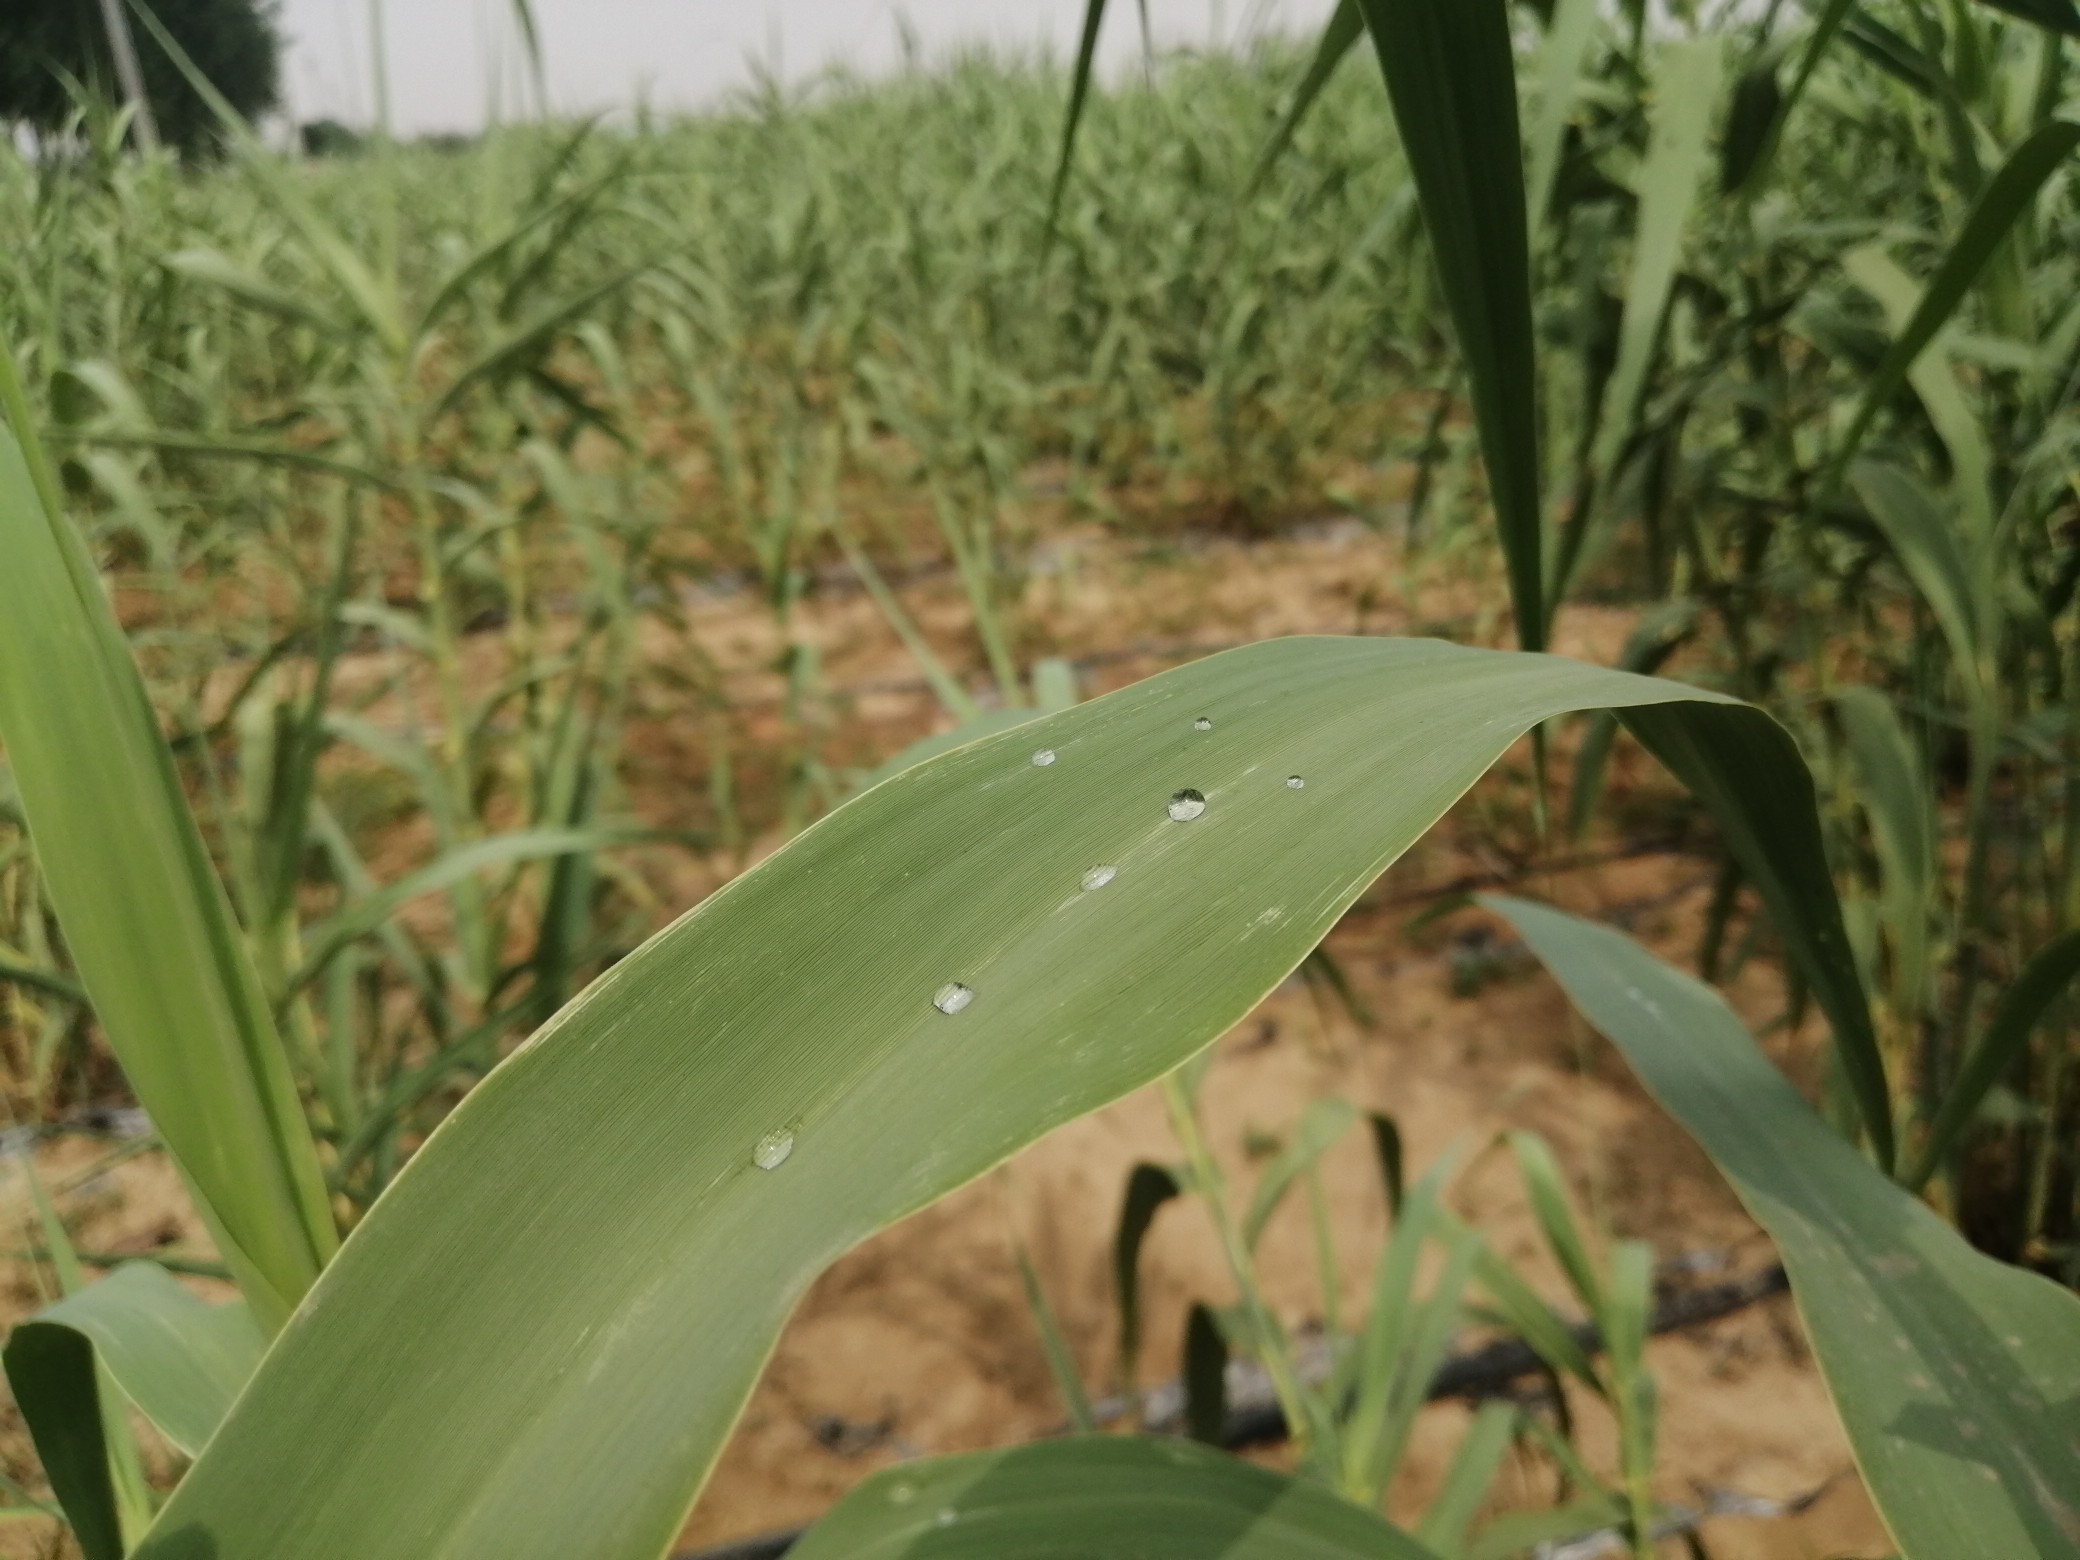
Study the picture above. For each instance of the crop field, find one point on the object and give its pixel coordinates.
(1321, 803)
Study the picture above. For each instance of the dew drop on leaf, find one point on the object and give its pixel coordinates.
(1043, 758)
(1186, 805)
(1098, 877)
(1295, 783)
(952, 997)
(771, 1151)
(1203, 723)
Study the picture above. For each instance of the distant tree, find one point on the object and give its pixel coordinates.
(50, 49)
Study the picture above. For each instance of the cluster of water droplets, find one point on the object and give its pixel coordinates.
(1185, 805)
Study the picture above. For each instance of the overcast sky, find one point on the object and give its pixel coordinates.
(446, 55)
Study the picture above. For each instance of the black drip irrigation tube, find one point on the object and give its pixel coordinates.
(1483, 1372)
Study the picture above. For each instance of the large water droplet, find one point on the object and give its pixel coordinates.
(1043, 758)
(1186, 805)
(1203, 723)
(770, 1152)
(1098, 877)
(1295, 783)
(952, 997)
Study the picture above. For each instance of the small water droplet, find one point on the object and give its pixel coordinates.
(947, 1517)
(1295, 783)
(1186, 805)
(1098, 877)
(1203, 723)
(771, 1151)
(902, 1493)
(1043, 758)
(952, 997)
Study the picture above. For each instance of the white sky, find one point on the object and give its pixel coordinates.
(446, 56)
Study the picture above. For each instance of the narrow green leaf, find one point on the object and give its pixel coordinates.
(1561, 63)
(1099, 1498)
(1061, 1360)
(180, 1359)
(1345, 27)
(1205, 1377)
(56, 1388)
(1686, 96)
(50, 982)
(145, 919)
(1326, 1120)
(369, 914)
(1546, 1188)
(1762, 798)
(2060, 16)
(2042, 982)
(1957, 1376)
(1825, 28)
(1451, 76)
(256, 292)
(591, 1255)
(1927, 544)
(1467, 1481)
(1079, 96)
(2006, 198)
(1892, 788)
(1148, 1188)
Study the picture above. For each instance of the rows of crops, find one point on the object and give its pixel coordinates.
(408, 469)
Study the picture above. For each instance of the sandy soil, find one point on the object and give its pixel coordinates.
(920, 1342)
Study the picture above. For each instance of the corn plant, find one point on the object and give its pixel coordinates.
(537, 1339)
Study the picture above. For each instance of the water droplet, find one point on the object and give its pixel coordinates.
(902, 1493)
(1295, 783)
(1203, 723)
(771, 1151)
(952, 997)
(1043, 758)
(947, 1517)
(1098, 877)
(1186, 805)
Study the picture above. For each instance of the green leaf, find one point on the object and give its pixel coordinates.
(1326, 1120)
(1957, 1377)
(1148, 1188)
(1466, 1482)
(1561, 63)
(1892, 788)
(2060, 16)
(2006, 198)
(2042, 982)
(1686, 95)
(1079, 96)
(1346, 25)
(1927, 544)
(1452, 79)
(1098, 1498)
(1205, 1377)
(1061, 1359)
(180, 1359)
(256, 292)
(1547, 1190)
(146, 922)
(372, 912)
(1762, 797)
(56, 1388)
(585, 1254)
(1748, 176)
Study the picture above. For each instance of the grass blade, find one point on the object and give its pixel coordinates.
(2042, 982)
(2004, 201)
(1345, 27)
(1098, 1498)
(1957, 1377)
(1452, 79)
(1148, 1188)
(145, 918)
